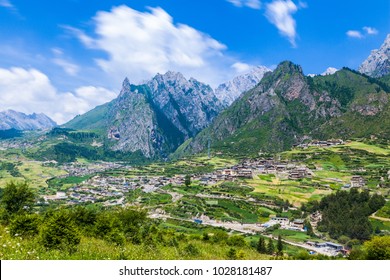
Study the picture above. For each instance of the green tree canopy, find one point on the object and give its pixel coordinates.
(17, 197)
(60, 232)
(261, 248)
(378, 248)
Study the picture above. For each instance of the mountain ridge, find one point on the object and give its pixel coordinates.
(11, 119)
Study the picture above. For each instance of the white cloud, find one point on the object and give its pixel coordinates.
(29, 91)
(359, 35)
(95, 95)
(141, 44)
(68, 67)
(254, 4)
(370, 30)
(240, 67)
(279, 13)
(354, 34)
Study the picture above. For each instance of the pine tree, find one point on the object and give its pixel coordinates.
(270, 247)
(261, 246)
(187, 180)
(279, 246)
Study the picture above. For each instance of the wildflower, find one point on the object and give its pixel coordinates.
(16, 234)
(18, 244)
(4, 245)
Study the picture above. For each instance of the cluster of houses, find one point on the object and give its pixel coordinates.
(80, 169)
(317, 143)
(285, 223)
(84, 194)
(15, 144)
(251, 167)
(104, 188)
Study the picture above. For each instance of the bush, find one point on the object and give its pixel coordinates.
(343, 239)
(115, 236)
(25, 225)
(17, 197)
(378, 248)
(220, 236)
(232, 254)
(236, 240)
(109, 227)
(191, 250)
(60, 232)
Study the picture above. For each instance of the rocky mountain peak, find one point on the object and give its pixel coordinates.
(289, 67)
(231, 90)
(171, 77)
(378, 62)
(126, 87)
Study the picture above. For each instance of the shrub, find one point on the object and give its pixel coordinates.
(232, 254)
(236, 240)
(60, 232)
(191, 250)
(378, 248)
(25, 225)
(17, 197)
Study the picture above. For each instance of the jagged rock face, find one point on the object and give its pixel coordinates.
(132, 124)
(378, 63)
(231, 90)
(20, 121)
(188, 104)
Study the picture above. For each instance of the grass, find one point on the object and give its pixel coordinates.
(384, 212)
(294, 191)
(33, 172)
(382, 225)
(18, 248)
(292, 235)
(369, 148)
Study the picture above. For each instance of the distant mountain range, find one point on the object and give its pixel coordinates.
(262, 110)
(11, 119)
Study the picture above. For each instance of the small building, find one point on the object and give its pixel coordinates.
(357, 182)
(334, 246)
(298, 223)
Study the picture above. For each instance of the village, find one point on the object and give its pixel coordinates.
(102, 187)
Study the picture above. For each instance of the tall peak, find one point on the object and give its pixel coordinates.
(125, 87)
(378, 62)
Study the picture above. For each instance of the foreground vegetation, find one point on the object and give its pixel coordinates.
(91, 232)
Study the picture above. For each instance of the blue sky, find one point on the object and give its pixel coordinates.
(65, 57)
